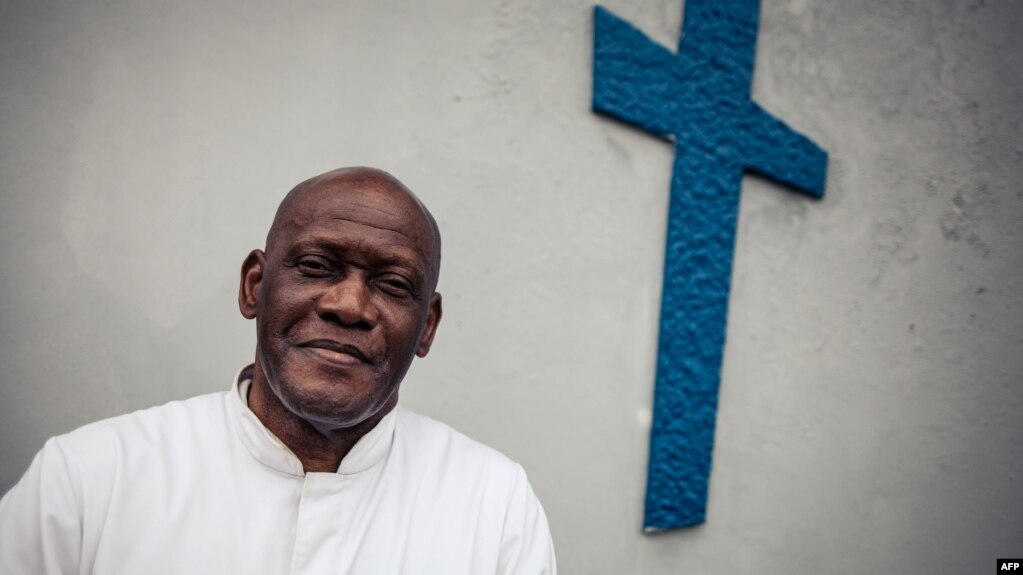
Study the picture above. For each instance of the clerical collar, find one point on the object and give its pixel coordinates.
(269, 450)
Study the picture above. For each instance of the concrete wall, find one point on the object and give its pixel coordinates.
(871, 415)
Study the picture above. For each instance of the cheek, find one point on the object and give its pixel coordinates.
(286, 308)
(407, 328)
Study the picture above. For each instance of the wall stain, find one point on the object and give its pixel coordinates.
(962, 221)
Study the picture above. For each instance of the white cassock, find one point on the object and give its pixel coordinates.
(201, 486)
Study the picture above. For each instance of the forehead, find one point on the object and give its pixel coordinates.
(342, 211)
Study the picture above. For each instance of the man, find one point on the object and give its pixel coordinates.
(306, 465)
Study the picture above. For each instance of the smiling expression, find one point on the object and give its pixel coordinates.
(343, 296)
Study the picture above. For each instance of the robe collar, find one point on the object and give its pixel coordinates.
(269, 450)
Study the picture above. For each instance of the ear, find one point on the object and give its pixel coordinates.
(432, 319)
(252, 277)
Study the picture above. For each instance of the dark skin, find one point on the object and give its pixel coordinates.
(344, 296)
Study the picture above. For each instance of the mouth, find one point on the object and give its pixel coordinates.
(336, 352)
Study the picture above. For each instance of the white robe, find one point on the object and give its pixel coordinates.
(201, 486)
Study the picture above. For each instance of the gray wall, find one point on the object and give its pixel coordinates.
(870, 417)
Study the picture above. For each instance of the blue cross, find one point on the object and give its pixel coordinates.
(700, 97)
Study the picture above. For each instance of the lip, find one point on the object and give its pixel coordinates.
(336, 352)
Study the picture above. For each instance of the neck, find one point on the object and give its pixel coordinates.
(318, 448)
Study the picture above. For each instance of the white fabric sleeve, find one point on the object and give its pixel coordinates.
(40, 521)
(526, 544)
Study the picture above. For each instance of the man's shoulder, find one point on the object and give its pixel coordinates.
(475, 493)
(437, 443)
(143, 429)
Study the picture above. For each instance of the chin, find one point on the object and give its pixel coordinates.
(329, 404)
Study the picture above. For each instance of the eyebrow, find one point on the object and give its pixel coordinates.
(397, 256)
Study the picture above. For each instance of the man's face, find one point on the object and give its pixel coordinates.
(344, 298)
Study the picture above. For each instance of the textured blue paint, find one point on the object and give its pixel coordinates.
(700, 97)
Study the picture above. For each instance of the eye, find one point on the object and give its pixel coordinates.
(314, 266)
(395, 285)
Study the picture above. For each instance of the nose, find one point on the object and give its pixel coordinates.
(349, 302)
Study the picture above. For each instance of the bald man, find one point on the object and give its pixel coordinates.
(307, 464)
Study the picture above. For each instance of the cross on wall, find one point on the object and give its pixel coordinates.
(699, 97)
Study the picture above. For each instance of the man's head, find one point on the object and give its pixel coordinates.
(343, 296)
